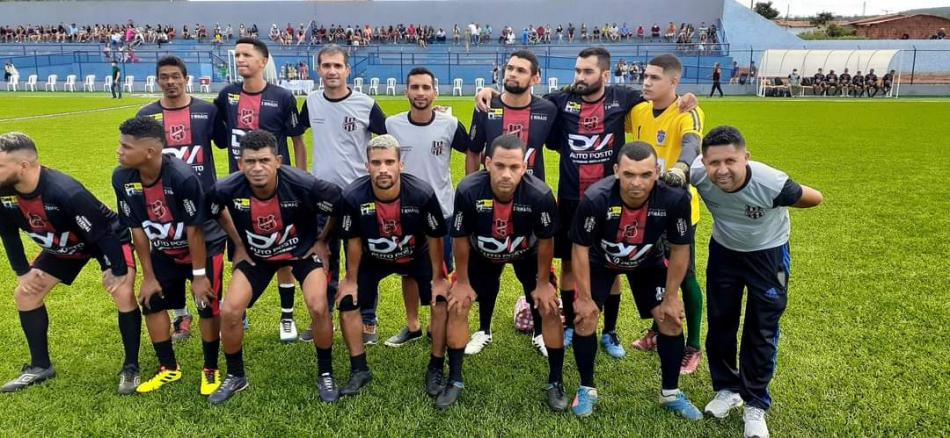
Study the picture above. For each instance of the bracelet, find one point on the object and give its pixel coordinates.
(198, 272)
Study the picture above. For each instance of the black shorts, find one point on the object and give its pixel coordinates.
(67, 269)
(172, 276)
(691, 267)
(562, 239)
(485, 276)
(648, 285)
(373, 271)
(261, 274)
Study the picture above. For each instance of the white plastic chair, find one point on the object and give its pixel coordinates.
(358, 84)
(190, 85)
(31, 82)
(129, 83)
(320, 85)
(391, 85)
(50, 84)
(70, 83)
(479, 84)
(374, 86)
(205, 82)
(90, 83)
(552, 84)
(150, 84)
(457, 86)
(13, 82)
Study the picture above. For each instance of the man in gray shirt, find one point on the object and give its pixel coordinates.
(749, 249)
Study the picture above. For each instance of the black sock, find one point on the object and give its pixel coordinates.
(670, 349)
(325, 360)
(536, 318)
(358, 363)
(436, 363)
(235, 363)
(585, 351)
(567, 301)
(35, 325)
(166, 354)
(611, 311)
(286, 300)
(486, 308)
(555, 365)
(210, 351)
(455, 364)
(130, 327)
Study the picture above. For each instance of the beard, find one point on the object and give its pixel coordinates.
(384, 183)
(587, 89)
(11, 181)
(514, 88)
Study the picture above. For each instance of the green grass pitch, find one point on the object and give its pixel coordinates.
(864, 343)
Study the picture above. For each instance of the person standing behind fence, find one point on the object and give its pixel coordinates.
(716, 77)
(116, 76)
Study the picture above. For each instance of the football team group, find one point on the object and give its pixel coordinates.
(380, 191)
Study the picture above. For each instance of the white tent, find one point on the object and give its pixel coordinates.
(779, 63)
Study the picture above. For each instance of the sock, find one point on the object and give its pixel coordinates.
(166, 355)
(585, 351)
(235, 363)
(130, 327)
(286, 300)
(555, 365)
(178, 313)
(455, 364)
(486, 308)
(670, 349)
(436, 363)
(325, 360)
(536, 318)
(567, 301)
(358, 363)
(693, 305)
(35, 324)
(210, 351)
(611, 311)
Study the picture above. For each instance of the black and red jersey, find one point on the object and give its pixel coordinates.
(65, 219)
(394, 231)
(274, 109)
(283, 226)
(532, 123)
(189, 131)
(588, 136)
(503, 231)
(625, 238)
(165, 208)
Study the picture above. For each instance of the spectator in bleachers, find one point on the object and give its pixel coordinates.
(570, 33)
(640, 33)
(303, 70)
(560, 33)
(655, 33)
(670, 33)
(794, 83)
(584, 33)
(620, 72)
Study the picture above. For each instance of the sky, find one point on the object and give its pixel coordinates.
(850, 7)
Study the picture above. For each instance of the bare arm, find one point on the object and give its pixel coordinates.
(810, 198)
(300, 152)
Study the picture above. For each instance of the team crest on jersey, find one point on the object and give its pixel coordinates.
(176, 132)
(484, 204)
(9, 201)
(267, 223)
(438, 147)
(660, 136)
(247, 116)
(368, 208)
(754, 212)
(514, 129)
(242, 204)
(158, 208)
(572, 107)
(591, 123)
(133, 189)
(501, 228)
(349, 124)
(615, 211)
(36, 221)
(233, 99)
(391, 227)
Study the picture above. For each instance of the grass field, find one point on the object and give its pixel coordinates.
(864, 343)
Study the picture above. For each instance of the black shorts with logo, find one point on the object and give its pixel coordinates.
(648, 285)
(261, 273)
(67, 269)
(172, 277)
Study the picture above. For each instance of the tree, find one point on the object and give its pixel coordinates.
(766, 10)
(822, 19)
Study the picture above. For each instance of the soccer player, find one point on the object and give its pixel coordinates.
(255, 104)
(831, 83)
(392, 224)
(887, 82)
(748, 250)
(622, 225)
(162, 200)
(870, 81)
(71, 227)
(516, 111)
(343, 121)
(844, 82)
(588, 132)
(676, 137)
(504, 216)
(819, 86)
(858, 85)
(189, 128)
(274, 208)
(426, 137)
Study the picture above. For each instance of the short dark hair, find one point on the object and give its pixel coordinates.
(529, 56)
(171, 61)
(257, 140)
(636, 151)
(15, 142)
(143, 127)
(420, 71)
(509, 142)
(603, 56)
(669, 63)
(723, 136)
(259, 45)
(331, 50)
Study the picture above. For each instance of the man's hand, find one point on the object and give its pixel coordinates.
(322, 250)
(688, 102)
(149, 287)
(483, 99)
(440, 288)
(671, 310)
(584, 309)
(31, 283)
(545, 297)
(347, 288)
(201, 289)
(240, 255)
(676, 176)
(461, 295)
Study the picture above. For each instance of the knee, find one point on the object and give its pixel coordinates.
(550, 314)
(668, 328)
(318, 308)
(586, 326)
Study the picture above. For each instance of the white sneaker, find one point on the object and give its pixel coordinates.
(538, 342)
(754, 419)
(724, 401)
(479, 340)
(288, 330)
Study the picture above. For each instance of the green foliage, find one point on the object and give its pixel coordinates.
(766, 10)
